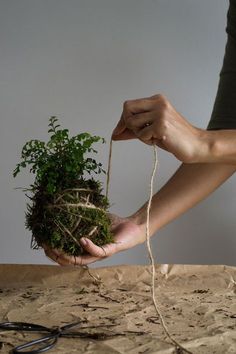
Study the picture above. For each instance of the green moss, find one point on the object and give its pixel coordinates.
(54, 223)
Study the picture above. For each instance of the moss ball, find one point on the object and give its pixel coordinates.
(60, 220)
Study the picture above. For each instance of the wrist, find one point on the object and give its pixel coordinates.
(205, 147)
(140, 219)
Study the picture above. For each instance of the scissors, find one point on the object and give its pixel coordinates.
(47, 342)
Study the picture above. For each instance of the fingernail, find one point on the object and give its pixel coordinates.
(83, 241)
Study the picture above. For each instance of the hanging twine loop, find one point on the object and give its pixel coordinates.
(178, 347)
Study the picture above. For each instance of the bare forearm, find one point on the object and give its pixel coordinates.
(189, 185)
(219, 146)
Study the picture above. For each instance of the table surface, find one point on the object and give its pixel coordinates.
(196, 301)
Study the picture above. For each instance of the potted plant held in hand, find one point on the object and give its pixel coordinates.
(66, 202)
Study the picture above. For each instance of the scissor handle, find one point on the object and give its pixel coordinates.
(23, 326)
(49, 342)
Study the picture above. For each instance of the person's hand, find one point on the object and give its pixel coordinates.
(127, 234)
(154, 120)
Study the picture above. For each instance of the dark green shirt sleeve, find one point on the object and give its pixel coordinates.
(224, 110)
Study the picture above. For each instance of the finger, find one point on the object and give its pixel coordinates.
(54, 253)
(139, 121)
(130, 107)
(66, 260)
(157, 96)
(77, 261)
(124, 135)
(134, 123)
(146, 134)
(139, 105)
(95, 250)
(120, 127)
(54, 256)
(58, 256)
(86, 259)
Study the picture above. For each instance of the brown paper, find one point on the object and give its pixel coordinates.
(198, 304)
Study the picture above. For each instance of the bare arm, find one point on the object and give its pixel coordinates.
(189, 185)
(209, 158)
(221, 147)
(154, 120)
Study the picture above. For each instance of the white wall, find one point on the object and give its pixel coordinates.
(80, 59)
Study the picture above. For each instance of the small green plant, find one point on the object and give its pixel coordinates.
(66, 201)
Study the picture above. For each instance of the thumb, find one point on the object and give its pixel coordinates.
(119, 128)
(98, 251)
(124, 135)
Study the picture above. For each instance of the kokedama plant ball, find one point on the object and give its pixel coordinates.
(65, 205)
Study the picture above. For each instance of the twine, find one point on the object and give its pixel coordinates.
(177, 345)
(109, 168)
(62, 204)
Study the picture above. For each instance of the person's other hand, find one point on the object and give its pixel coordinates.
(127, 234)
(154, 120)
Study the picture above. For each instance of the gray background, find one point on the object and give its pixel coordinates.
(80, 59)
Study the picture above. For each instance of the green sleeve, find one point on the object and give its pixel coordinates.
(224, 110)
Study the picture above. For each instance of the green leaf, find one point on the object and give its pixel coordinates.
(61, 160)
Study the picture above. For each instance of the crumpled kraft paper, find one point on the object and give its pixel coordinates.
(198, 303)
